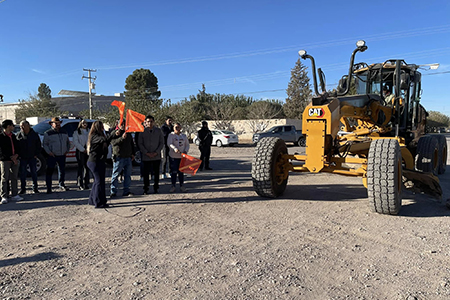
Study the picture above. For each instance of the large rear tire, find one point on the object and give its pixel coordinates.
(384, 176)
(427, 155)
(442, 145)
(267, 173)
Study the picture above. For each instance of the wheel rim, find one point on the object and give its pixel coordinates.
(38, 166)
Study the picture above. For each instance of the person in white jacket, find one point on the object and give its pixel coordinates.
(178, 143)
(80, 137)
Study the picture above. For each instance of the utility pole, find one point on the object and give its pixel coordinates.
(91, 87)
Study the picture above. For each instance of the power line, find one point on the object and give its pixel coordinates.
(377, 37)
(436, 73)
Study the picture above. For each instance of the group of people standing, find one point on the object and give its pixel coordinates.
(17, 152)
(152, 142)
(158, 147)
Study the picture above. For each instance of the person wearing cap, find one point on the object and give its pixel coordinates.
(9, 162)
(205, 138)
(56, 144)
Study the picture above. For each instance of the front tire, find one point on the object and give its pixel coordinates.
(384, 176)
(268, 176)
(219, 143)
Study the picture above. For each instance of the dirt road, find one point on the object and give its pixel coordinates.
(221, 241)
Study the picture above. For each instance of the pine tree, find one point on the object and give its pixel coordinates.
(142, 94)
(298, 92)
(44, 92)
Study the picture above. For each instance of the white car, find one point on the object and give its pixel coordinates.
(221, 138)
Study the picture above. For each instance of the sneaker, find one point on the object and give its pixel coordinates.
(86, 186)
(172, 190)
(35, 191)
(4, 200)
(168, 175)
(208, 168)
(113, 195)
(49, 191)
(129, 194)
(155, 191)
(16, 198)
(63, 188)
(146, 192)
(183, 189)
(22, 191)
(81, 188)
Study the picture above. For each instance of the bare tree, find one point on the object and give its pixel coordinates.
(261, 112)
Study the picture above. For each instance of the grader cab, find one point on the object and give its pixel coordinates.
(360, 130)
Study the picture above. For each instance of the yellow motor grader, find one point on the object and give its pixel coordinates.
(357, 130)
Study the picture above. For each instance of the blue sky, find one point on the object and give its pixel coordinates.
(233, 47)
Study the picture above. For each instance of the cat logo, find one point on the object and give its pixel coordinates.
(316, 112)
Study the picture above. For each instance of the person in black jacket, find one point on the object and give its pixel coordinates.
(30, 148)
(97, 148)
(123, 155)
(205, 137)
(166, 129)
(9, 162)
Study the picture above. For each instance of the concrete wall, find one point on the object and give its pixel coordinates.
(8, 111)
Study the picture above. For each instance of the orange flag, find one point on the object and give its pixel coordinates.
(189, 164)
(121, 106)
(134, 121)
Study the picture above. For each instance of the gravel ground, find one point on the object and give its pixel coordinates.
(219, 240)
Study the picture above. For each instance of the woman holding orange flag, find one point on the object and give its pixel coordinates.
(178, 144)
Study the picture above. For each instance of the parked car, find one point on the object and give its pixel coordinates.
(221, 138)
(288, 133)
(69, 124)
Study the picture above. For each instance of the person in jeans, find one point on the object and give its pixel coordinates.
(178, 143)
(97, 146)
(30, 148)
(151, 142)
(56, 144)
(9, 162)
(166, 129)
(80, 137)
(123, 155)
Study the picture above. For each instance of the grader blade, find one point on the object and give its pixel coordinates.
(423, 182)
